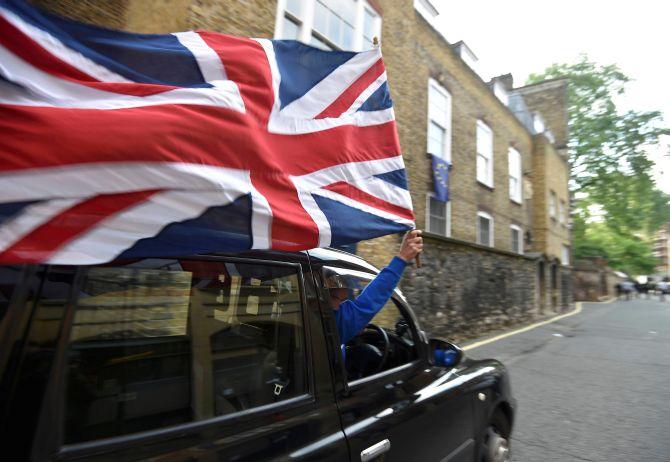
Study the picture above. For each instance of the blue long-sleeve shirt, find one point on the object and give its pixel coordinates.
(354, 315)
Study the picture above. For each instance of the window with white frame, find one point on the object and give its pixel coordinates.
(438, 217)
(328, 24)
(515, 175)
(484, 229)
(516, 235)
(552, 204)
(565, 255)
(562, 216)
(439, 121)
(484, 154)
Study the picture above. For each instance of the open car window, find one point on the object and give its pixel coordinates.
(372, 351)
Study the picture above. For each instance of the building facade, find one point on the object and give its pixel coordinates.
(498, 252)
(662, 250)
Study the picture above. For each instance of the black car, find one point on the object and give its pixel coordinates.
(231, 357)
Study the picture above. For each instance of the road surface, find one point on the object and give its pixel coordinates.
(592, 387)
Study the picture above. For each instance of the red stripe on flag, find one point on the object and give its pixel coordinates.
(179, 133)
(346, 99)
(359, 195)
(32, 52)
(292, 227)
(246, 64)
(47, 239)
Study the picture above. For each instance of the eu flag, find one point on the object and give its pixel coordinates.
(441, 178)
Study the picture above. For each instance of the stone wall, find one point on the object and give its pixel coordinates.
(464, 291)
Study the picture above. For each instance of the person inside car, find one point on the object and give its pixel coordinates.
(352, 316)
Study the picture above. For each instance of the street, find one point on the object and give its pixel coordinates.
(592, 387)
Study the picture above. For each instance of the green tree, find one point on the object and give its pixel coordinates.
(611, 172)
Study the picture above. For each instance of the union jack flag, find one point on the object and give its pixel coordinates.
(122, 145)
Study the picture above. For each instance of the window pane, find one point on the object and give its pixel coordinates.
(483, 169)
(321, 14)
(515, 240)
(163, 342)
(290, 30)
(347, 40)
(295, 7)
(335, 19)
(9, 277)
(358, 361)
(436, 138)
(484, 231)
(369, 29)
(437, 216)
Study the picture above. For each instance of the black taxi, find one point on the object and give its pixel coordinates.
(232, 358)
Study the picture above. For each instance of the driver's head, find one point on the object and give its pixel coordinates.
(337, 296)
(336, 288)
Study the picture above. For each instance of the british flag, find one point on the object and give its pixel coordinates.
(115, 144)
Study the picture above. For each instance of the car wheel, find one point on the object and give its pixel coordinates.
(495, 441)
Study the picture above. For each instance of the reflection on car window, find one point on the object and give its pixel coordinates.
(9, 277)
(161, 342)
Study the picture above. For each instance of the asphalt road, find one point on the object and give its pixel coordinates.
(592, 387)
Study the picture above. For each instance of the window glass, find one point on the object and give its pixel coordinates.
(562, 217)
(484, 227)
(368, 353)
(484, 154)
(436, 139)
(334, 19)
(516, 239)
(291, 30)
(369, 29)
(565, 256)
(514, 175)
(295, 7)
(161, 342)
(437, 212)
(552, 204)
(9, 277)
(49, 291)
(439, 123)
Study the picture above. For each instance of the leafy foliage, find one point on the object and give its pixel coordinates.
(611, 172)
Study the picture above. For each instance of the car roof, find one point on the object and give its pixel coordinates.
(335, 256)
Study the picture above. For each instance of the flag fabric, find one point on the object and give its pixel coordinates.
(441, 178)
(123, 145)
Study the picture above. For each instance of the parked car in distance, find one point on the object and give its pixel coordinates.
(232, 357)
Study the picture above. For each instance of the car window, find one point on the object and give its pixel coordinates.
(158, 342)
(9, 277)
(368, 352)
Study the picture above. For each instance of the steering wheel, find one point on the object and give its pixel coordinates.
(387, 346)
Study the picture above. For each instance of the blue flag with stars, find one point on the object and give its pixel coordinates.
(441, 178)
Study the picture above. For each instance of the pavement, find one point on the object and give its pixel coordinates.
(591, 387)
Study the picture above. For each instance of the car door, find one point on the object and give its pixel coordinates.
(189, 359)
(412, 411)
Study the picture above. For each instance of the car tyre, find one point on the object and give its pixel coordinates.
(495, 445)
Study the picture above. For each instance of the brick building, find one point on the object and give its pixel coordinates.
(662, 250)
(498, 252)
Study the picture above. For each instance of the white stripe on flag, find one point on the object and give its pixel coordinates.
(349, 172)
(49, 91)
(32, 217)
(61, 51)
(364, 207)
(210, 65)
(324, 93)
(117, 233)
(82, 180)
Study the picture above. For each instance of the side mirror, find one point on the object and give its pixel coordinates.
(445, 354)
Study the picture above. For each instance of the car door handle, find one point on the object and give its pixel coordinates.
(375, 450)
